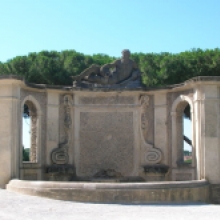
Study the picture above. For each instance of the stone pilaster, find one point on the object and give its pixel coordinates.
(53, 106)
(210, 133)
(10, 121)
(160, 125)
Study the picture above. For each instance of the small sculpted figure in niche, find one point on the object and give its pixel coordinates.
(112, 73)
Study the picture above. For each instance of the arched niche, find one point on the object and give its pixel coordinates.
(177, 131)
(35, 115)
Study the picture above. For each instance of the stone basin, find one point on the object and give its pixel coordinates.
(111, 192)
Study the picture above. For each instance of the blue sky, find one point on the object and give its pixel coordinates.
(107, 26)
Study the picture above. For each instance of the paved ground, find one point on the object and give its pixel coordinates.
(16, 206)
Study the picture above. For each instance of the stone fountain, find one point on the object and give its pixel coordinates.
(108, 138)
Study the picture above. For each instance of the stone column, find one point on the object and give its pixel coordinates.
(10, 124)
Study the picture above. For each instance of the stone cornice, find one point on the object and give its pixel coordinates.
(186, 84)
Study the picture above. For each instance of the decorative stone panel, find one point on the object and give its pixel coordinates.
(147, 118)
(106, 142)
(60, 154)
(149, 154)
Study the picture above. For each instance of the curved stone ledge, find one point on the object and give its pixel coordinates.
(197, 79)
(154, 192)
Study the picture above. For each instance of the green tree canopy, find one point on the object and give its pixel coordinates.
(158, 69)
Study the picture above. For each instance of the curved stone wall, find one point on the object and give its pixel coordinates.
(85, 133)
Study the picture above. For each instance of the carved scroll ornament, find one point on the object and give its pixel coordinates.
(60, 155)
(150, 154)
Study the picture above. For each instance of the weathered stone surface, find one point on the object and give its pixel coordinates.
(147, 117)
(112, 130)
(164, 192)
(215, 193)
(106, 142)
(60, 154)
(106, 100)
(183, 176)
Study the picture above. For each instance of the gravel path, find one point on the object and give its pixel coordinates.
(17, 206)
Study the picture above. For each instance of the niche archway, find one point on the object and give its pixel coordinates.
(178, 108)
(31, 109)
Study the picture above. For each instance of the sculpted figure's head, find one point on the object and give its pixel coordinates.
(126, 54)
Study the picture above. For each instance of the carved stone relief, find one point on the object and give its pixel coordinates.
(106, 142)
(149, 154)
(147, 118)
(60, 155)
(144, 100)
(33, 148)
(121, 71)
